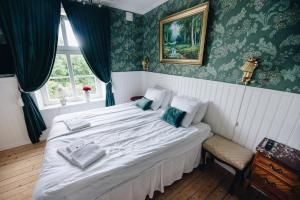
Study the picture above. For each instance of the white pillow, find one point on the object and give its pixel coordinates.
(157, 96)
(190, 106)
(201, 112)
(168, 96)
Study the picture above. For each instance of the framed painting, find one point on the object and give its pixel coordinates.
(182, 36)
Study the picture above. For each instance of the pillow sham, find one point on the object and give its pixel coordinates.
(144, 103)
(173, 116)
(190, 106)
(168, 96)
(201, 112)
(157, 96)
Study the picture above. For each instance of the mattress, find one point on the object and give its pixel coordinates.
(135, 140)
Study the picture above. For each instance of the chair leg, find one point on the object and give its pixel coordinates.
(237, 178)
(203, 159)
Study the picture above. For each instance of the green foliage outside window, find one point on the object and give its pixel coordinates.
(60, 67)
(60, 76)
(80, 67)
(73, 75)
(82, 73)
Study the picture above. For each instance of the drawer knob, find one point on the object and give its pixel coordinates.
(269, 182)
(279, 171)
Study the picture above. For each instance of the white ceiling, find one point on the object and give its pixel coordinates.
(136, 6)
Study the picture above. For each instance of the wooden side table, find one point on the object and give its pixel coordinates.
(276, 172)
(136, 98)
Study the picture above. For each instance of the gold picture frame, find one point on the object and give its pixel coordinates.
(182, 36)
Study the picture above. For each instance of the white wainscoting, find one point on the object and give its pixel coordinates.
(242, 114)
(268, 113)
(126, 85)
(13, 130)
(261, 113)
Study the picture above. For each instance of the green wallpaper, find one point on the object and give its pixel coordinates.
(237, 29)
(126, 42)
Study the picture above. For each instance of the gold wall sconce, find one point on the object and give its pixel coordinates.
(145, 64)
(248, 69)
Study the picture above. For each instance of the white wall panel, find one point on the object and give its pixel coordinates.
(243, 114)
(126, 85)
(12, 125)
(261, 113)
(271, 114)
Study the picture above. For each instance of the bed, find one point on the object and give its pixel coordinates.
(144, 155)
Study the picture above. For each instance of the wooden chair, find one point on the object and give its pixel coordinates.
(229, 153)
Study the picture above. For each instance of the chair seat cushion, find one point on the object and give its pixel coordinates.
(228, 151)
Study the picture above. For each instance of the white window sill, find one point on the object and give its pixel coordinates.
(74, 103)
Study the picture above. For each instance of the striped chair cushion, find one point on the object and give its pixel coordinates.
(228, 151)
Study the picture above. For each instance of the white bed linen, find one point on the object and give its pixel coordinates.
(162, 174)
(136, 140)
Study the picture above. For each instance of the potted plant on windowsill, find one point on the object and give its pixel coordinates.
(87, 92)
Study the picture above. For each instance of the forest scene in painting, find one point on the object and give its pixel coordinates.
(181, 38)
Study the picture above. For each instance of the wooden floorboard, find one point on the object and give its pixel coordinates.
(20, 167)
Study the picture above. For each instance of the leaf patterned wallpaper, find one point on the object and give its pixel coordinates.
(237, 29)
(126, 42)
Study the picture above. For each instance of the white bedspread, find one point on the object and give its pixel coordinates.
(135, 141)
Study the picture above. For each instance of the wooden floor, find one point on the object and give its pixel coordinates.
(19, 169)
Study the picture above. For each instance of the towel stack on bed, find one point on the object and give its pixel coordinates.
(76, 124)
(82, 153)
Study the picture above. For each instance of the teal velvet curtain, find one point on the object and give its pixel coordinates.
(31, 30)
(91, 26)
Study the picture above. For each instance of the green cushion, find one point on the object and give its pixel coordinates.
(173, 116)
(144, 103)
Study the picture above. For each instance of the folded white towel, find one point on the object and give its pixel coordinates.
(87, 155)
(65, 153)
(76, 124)
(78, 144)
(83, 156)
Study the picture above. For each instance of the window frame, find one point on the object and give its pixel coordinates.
(68, 51)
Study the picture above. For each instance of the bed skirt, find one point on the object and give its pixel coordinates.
(157, 177)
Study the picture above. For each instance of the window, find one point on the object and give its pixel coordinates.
(70, 70)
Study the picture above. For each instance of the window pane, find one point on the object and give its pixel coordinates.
(70, 35)
(54, 83)
(60, 41)
(60, 67)
(83, 81)
(80, 67)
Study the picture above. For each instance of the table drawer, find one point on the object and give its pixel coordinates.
(273, 185)
(276, 169)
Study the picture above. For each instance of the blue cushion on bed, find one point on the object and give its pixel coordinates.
(173, 116)
(144, 103)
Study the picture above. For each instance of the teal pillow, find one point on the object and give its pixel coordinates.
(173, 116)
(144, 103)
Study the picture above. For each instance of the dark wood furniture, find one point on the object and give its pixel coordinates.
(276, 172)
(135, 98)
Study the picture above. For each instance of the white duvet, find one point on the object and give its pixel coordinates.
(134, 139)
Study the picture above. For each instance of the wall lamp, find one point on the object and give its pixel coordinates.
(248, 69)
(145, 64)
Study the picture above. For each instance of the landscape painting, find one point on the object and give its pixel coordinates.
(182, 36)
